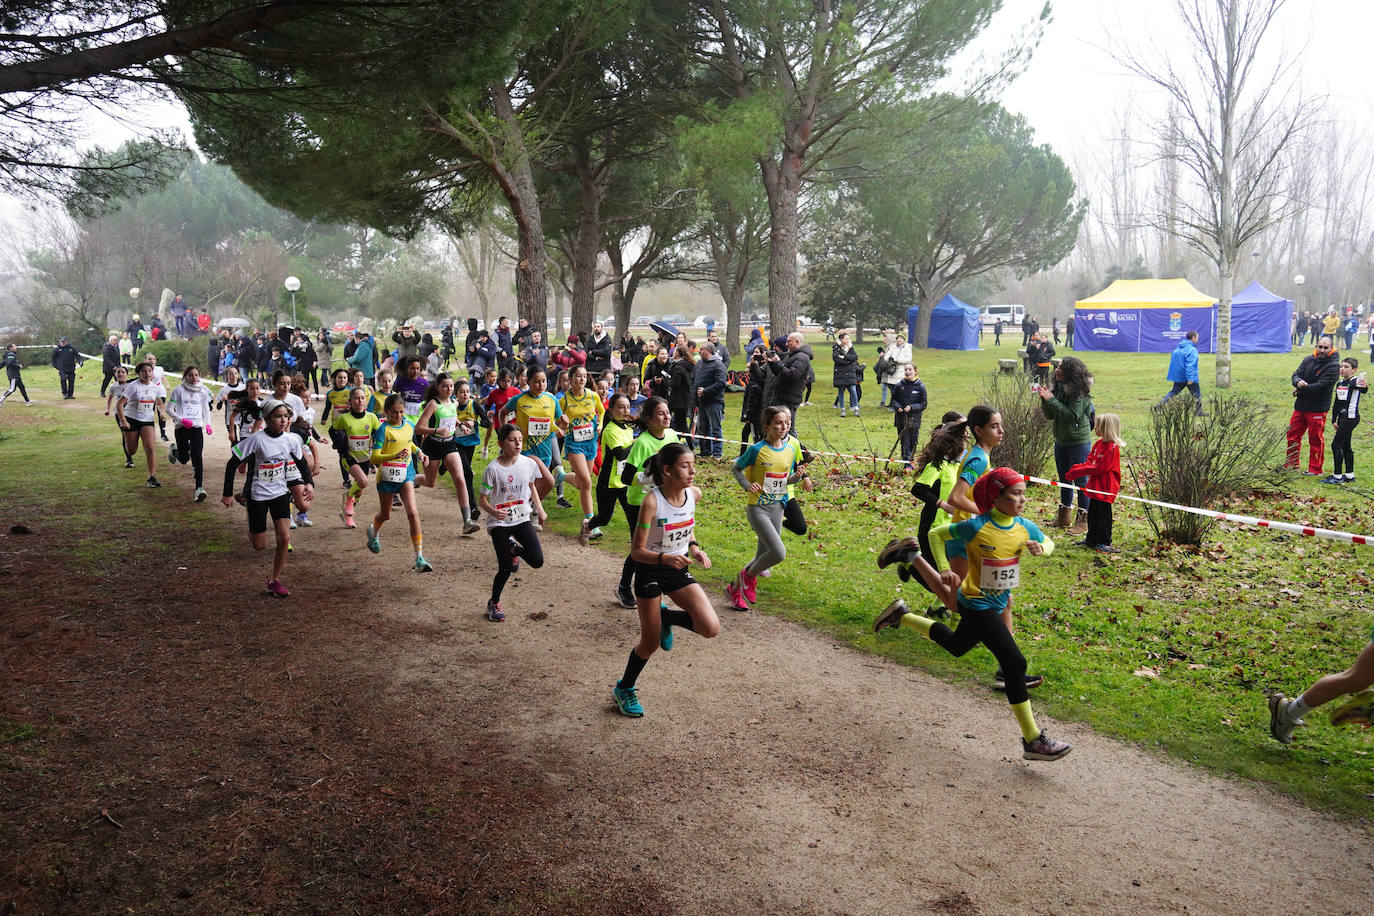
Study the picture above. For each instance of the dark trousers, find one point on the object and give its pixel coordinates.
(465, 456)
(1099, 523)
(1194, 387)
(530, 552)
(105, 382)
(909, 434)
(68, 381)
(1341, 453)
(986, 627)
(682, 422)
(1065, 457)
(16, 383)
(606, 498)
(190, 445)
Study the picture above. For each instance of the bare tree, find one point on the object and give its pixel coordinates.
(1236, 118)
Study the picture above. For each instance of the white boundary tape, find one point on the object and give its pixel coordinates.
(1329, 534)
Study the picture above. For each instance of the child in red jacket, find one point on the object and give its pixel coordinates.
(1103, 470)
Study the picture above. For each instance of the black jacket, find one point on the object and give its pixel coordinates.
(1321, 374)
(709, 376)
(109, 357)
(64, 358)
(680, 391)
(598, 354)
(846, 367)
(791, 372)
(908, 393)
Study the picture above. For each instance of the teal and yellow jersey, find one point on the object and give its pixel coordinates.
(387, 443)
(993, 543)
(358, 432)
(770, 468)
(466, 416)
(536, 416)
(584, 415)
(973, 465)
(336, 401)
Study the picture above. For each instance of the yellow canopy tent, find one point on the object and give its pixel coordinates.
(1144, 316)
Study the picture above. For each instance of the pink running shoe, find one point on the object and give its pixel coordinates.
(274, 587)
(736, 599)
(750, 583)
(766, 574)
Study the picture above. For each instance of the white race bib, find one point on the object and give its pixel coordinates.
(360, 445)
(1342, 393)
(540, 427)
(446, 427)
(1000, 575)
(774, 484)
(514, 512)
(678, 535)
(393, 471)
(270, 472)
(191, 412)
(582, 432)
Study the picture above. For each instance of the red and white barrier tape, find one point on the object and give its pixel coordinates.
(1329, 534)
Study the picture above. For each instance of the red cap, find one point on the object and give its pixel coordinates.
(990, 486)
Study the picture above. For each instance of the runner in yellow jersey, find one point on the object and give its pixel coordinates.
(765, 471)
(583, 414)
(354, 427)
(393, 453)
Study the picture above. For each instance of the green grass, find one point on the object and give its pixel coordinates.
(1252, 610)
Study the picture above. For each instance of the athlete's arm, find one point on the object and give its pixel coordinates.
(420, 428)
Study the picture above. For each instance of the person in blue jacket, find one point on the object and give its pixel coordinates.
(1183, 370)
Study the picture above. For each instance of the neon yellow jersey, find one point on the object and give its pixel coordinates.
(615, 437)
(337, 398)
(358, 431)
(769, 467)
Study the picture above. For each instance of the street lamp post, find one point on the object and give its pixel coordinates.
(293, 284)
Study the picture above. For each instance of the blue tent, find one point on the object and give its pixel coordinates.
(953, 325)
(1260, 321)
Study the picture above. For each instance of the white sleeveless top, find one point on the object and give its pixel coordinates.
(670, 531)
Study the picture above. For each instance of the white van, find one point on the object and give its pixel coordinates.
(1010, 316)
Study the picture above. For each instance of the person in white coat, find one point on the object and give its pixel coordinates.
(898, 357)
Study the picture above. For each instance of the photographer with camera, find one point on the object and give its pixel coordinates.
(790, 371)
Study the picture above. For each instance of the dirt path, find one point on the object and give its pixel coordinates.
(466, 766)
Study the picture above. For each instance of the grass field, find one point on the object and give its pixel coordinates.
(1170, 647)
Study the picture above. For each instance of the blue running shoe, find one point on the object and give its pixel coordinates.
(627, 701)
(665, 632)
(421, 564)
(373, 544)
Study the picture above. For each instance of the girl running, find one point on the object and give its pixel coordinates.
(764, 472)
(583, 417)
(266, 454)
(491, 382)
(355, 427)
(189, 407)
(663, 548)
(393, 450)
(233, 384)
(937, 469)
(413, 387)
(991, 544)
(138, 408)
(245, 411)
(510, 483)
(439, 426)
(1286, 714)
(337, 401)
(1101, 473)
(617, 436)
(535, 413)
(121, 381)
(656, 431)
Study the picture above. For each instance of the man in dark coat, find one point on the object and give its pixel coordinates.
(791, 372)
(64, 360)
(708, 382)
(109, 362)
(599, 347)
(1313, 384)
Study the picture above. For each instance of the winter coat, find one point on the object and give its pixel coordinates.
(1071, 419)
(109, 357)
(680, 390)
(1040, 352)
(907, 394)
(406, 347)
(710, 377)
(1321, 374)
(751, 410)
(1103, 470)
(898, 357)
(790, 373)
(846, 366)
(656, 378)
(755, 341)
(1183, 362)
(64, 358)
(362, 358)
(599, 353)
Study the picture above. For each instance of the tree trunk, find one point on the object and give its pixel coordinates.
(1227, 245)
(782, 182)
(517, 184)
(586, 247)
(557, 333)
(620, 305)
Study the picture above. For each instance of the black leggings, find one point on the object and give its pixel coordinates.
(1341, 452)
(987, 627)
(530, 552)
(627, 569)
(15, 383)
(792, 518)
(312, 378)
(606, 498)
(465, 455)
(190, 443)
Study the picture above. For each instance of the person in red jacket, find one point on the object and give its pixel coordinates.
(1103, 470)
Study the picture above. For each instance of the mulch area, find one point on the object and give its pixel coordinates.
(199, 749)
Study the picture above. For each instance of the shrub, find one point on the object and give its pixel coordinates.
(1028, 443)
(1196, 461)
(175, 355)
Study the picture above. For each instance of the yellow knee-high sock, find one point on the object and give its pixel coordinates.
(921, 625)
(1026, 719)
(354, 490)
